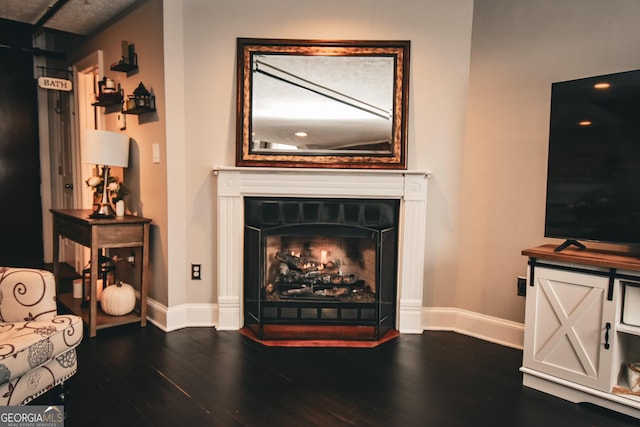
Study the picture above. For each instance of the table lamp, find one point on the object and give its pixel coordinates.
(106, 148)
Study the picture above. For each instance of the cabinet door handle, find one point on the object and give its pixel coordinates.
(606, 336)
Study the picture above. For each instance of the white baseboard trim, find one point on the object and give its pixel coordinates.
(181, 316)
(488, 328)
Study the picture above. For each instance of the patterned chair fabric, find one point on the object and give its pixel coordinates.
(37, 346)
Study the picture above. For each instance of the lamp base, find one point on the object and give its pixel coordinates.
(105, 211)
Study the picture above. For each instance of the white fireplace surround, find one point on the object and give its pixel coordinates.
(234, 183)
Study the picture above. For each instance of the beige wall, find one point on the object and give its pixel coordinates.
(146, 180)
(479, 105)
(518, 49)
(440, 34)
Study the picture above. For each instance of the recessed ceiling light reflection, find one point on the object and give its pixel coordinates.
(585, 123)
(301, 134)
(602, 85)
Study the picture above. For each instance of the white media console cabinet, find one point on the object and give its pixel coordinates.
(577, 340)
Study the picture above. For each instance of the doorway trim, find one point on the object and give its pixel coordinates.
(86, 72)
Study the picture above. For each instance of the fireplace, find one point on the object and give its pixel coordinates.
(330, 195)
(323, 262)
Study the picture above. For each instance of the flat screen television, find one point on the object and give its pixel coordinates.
(593, 176)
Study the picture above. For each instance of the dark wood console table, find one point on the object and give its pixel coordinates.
(96, 234)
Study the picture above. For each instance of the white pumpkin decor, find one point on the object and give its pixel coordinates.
(119, 299)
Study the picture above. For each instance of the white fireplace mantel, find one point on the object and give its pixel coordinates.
(235, 183)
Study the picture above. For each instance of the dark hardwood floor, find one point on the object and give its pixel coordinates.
(130, 376)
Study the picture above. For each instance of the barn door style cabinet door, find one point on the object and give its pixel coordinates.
(569, 321)
(577, 341)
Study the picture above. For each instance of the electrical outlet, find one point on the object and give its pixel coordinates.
(522, 286)
(196, 273)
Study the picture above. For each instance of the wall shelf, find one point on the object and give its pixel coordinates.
(139, 110)
(108, 100)
(127, 63)
(124, 67)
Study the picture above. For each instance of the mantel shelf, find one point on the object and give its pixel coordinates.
(234, 184)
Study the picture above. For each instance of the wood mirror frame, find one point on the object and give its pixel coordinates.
(340, 74)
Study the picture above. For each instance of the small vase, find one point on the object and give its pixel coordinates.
(120, 208)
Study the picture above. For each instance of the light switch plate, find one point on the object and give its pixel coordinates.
(155, 148)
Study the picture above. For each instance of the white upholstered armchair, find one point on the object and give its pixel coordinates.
(37, 346)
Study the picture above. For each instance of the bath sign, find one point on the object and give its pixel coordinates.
(54, 83)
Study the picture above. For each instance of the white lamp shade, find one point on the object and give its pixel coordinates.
(102, 147)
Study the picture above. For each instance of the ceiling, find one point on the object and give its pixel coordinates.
(81, 17)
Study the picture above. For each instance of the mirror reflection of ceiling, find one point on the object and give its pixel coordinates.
(339, 102)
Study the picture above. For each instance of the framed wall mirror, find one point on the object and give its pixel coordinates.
(322, 104)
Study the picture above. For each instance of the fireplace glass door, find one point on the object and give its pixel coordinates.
(320, 262)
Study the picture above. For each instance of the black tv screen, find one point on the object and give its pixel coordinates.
(593, 177)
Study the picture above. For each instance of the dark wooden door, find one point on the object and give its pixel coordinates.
(21, 241)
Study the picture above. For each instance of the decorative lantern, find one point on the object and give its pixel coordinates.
(106, 275)
(142, 98)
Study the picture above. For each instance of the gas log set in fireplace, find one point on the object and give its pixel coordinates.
(320, 262)
(315, 279)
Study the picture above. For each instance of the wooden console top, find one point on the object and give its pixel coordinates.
(593, 257)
